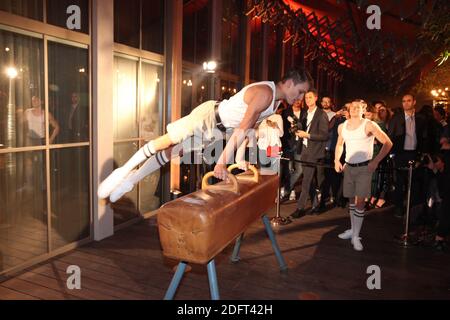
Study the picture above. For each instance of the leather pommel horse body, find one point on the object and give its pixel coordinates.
(197, 227)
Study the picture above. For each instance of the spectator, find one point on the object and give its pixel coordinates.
(407, 131)
(332, 179)
(269, 132)
(292, 149)
(439, 115)
(314, 138)
(432, 130)
(384, 115)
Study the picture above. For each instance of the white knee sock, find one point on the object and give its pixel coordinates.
(120, 174)
(351, 211)
(358, 218)
(151, 165)
(140, 156)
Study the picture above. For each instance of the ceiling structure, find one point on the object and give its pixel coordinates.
(391, 59)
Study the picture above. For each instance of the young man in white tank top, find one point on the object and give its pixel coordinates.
(358, 134)
(240, 113)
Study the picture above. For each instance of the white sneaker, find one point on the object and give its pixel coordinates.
(357, 245)
(111, 182)
(123, 188)
(292, 196)
(282, 192)
(346, 235)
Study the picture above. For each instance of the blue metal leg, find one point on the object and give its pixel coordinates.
(235, 256)
(175, 281)
(281, 262)
(212, 276)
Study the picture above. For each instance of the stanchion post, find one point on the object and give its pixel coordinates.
(278, 220)
(405, 237)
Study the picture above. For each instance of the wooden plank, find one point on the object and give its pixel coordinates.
(130, 265)
(34, 290)
(9, 294)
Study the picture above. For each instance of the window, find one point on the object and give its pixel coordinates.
(32, 9)
(22, 113)
(137, 108)
(153, 26)
(196, 31)
(125, 98)
(228, 89)
(140, 24)
(68, 74)
(230, 36)
(57, 13)
(151, 108)
(23, 213)
(30, 225)
(256, 49)
(127, 22)
(70, 195)
(274, 48)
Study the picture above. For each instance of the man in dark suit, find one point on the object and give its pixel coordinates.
(408, 131)
(314, 139)
(77, 121)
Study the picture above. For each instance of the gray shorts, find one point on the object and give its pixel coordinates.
(357, 181)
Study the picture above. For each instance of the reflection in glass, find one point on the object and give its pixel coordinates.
(69, 195)
(186, 94)
(23, 208)
(151, 101)
(228, 89)
(151, 107)
(125, 99)
(28, 8)
(57, 13)
(22, 121)
(127, 207)
(68, 76)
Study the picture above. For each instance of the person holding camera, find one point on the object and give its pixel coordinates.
(292, 149)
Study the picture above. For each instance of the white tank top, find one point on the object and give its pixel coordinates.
(358, 145)
(232, 111)
(36, 124)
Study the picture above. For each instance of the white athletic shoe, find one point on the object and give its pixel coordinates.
(282, 192)
(346, 235)
(111, 182)
(292, 196)
(357, 245)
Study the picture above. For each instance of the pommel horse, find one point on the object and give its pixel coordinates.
(197, 227)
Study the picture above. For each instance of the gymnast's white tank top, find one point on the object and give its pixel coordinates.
(36, 124)
(358, 145)
(232, 111)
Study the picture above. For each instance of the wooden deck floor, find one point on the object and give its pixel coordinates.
(130, 265)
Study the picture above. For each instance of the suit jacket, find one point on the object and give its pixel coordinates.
(79, 131)
(397, 132)
(319, 135)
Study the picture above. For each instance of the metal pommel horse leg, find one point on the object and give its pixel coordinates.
(281, 262)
